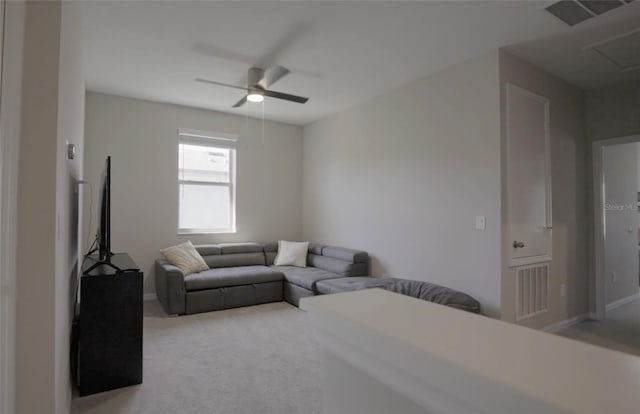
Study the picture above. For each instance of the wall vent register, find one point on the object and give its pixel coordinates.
(532, 290)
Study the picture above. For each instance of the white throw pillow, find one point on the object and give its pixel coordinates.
(291, 254)
(185, 257)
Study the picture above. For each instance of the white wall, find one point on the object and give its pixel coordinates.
(141, 137)
(71, 105)
(403, 176)
(620, 167)
(35, 336)
(569, 194)
(614, 111)
(52, 113)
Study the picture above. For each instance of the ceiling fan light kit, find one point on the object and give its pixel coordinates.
(258, 80)
(255, 96)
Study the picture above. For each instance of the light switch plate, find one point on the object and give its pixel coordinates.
(480, 223)
(71, 151)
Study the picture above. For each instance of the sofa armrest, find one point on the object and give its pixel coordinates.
(170, 287)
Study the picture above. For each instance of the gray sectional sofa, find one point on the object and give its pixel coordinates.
(242, 274)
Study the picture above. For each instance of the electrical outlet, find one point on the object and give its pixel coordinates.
(614, 277)
(563, 290)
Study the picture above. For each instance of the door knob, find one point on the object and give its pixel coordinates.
(517, 244)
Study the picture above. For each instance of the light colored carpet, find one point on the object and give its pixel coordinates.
(620, 330)
(259, 359)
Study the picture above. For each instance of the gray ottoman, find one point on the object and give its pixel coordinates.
(414, 288)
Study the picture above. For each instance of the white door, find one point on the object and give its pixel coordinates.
(528, 172)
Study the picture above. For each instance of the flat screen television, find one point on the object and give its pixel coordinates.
(103, 234)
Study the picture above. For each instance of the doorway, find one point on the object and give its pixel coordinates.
(616, 196)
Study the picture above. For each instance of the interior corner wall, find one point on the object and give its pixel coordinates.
(614, 111)
(36, 246)
(142, 139)
(620, 168)
(569, 194)
(71, 105)
(404, 175)
(47, 249)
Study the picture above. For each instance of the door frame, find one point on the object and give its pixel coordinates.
(597, 302)
(6, 327)
(12, 43)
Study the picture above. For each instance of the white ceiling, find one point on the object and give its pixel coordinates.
(340, 53)
(568, 56)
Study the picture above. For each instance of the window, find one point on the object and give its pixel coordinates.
(206, 177)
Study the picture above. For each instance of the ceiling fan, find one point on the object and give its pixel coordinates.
(258, 82)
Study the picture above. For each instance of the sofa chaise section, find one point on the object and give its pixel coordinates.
(237, 276)
(323, 263)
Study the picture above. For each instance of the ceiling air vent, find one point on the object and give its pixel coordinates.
(600, 6)
(573, 12)
(569, 12)
(623, 50)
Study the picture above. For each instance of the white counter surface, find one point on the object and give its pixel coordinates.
(446, 360)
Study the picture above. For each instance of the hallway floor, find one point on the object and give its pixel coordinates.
(620, 330)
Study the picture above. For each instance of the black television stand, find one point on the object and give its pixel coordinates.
(108, 331)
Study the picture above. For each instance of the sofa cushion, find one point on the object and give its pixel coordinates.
(338, 266)
(291, 254)
(348, 284)
(235, 259)
(231, 276)
(436, 294)
(348, 255)
(208, 249)
(185, 257)
(414, 288)
(271, 251)
(250, 247)
(305, 277)
(315, 248)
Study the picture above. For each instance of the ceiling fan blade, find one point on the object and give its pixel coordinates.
(285, 96)
(286, 41)
(240, 102)
(220, 84)
(220, 52)
(272, 75)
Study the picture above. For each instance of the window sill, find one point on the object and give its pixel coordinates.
(197, 232)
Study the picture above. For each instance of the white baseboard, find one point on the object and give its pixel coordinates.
(149, 296)
(613, 305)
(558, 326)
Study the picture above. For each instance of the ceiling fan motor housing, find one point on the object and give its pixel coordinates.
(256, 75)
